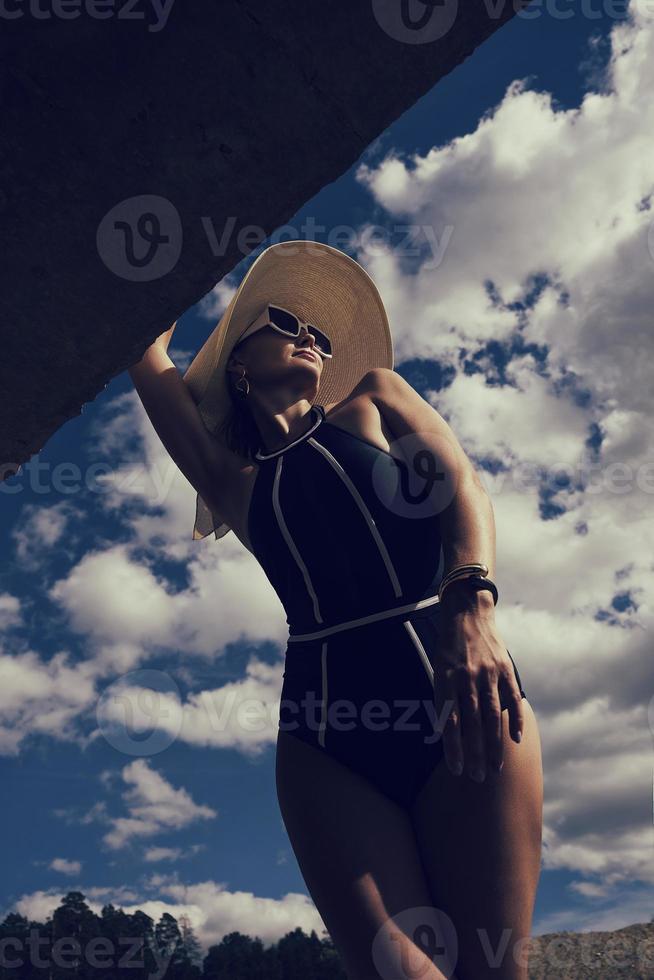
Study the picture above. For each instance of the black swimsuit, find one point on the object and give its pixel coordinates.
(358, 578)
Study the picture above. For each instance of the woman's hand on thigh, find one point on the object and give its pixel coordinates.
(475, 681)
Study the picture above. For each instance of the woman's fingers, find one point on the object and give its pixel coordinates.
(472, 725)
(447, 710)
(514, 706)
(491, 710)
(470, 704)
(486, 694)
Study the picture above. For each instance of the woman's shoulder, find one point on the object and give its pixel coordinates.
(374, 381)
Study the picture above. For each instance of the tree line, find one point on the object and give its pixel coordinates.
(76, 944)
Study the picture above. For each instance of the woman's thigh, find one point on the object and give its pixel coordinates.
(358, 855)
(480, 845)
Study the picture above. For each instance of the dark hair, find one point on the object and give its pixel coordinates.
(238, 429)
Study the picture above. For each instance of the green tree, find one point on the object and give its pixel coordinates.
(237, 957)
(14, 932)
(71, 928)
(171, 945)
(190, 941)
(303, 957)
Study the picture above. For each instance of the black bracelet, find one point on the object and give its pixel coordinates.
(478, 582)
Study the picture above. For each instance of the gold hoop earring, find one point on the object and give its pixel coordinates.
(244, 391)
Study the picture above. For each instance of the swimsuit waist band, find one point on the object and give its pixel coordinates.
(364, 620)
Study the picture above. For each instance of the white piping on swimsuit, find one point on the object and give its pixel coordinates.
(291, 543)
(363, 620)
(263, 456)
(374, 530)
(421, 650)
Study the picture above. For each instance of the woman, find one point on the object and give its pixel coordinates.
(408, 757)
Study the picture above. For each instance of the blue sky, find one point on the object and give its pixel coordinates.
(530, 333)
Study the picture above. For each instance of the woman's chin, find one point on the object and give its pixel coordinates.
(305, 360)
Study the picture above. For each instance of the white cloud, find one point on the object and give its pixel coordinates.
(215, 911)
(154, 806)
(119, 604)
(213, 305)
(95, 814)
(107, 595)
(241, 714)
(126, 615)
(40, 904)
(212, 909)
(155, 854)
(66, 867)
(10, 611)
(544, 216)
(522, 424)
(545, 219)
(40, 529)
(44, 697)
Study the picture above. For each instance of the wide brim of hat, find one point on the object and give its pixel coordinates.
(323, 286)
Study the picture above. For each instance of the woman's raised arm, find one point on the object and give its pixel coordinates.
(206, 463)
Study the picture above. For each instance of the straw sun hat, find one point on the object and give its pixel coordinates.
(321, 285)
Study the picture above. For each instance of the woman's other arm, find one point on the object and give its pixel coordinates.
(470, 637)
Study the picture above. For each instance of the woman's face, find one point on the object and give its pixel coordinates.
(271, 358)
